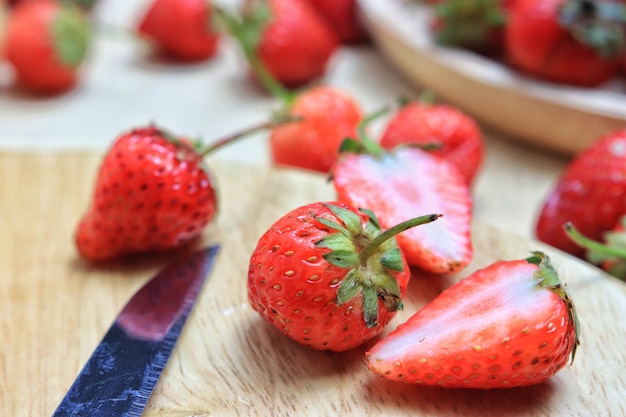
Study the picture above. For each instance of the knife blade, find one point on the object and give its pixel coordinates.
(119, 377)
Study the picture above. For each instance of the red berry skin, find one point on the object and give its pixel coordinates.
(181, 29)
(458, 135)
(296, 45)
(329, 116)
(30, 48)
(294, 288)
(342, 17)
(151, 194)
(538, 45)
(591, 193)
(497, 328)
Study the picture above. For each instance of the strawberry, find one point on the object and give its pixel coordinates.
(589, 194)
(152, 193)
(181, 29)
(325, 275)
(457, 136)
(329, 115)
(610, 254)
(287, 37)
(342, 17)
(510, 324)
(566, 41)
(46, 42)
(401, 183)
(477, 25)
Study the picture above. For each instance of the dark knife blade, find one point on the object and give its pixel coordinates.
(122, 372)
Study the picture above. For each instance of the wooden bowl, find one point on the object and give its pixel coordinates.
(560, 118)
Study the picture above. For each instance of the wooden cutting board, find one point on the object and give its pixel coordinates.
(54, 309)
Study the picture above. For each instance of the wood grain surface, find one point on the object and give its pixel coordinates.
(54, 309)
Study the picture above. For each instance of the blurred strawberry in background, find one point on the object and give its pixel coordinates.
(577, 42)
(342, 17)
(180, 29)
(46, 42)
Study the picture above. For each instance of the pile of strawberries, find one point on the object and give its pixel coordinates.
(46, 42)
(572, 42)
(331, 275)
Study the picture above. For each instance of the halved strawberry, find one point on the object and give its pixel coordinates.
(401, 183)
(510, 324)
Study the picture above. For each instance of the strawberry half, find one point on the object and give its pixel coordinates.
(326, 276)
(401, 183)
(508, 325)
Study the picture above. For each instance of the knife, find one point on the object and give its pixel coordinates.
(122, 372)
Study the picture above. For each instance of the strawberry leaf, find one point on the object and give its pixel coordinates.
(349, 288)
(370, 306)
(372, 217)
(349, 219)
(70, 34)
(342, 258)
(392, 259)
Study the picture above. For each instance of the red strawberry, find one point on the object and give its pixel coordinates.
(287, 37)
(328, 116)
(152, 193)
(46, 43)
(510, 324)
(475, 24)
(342, 17)
(590, 194)
(325, 275)
(457, 134)
(181, 29)
(610, 254)
(565, 41)
(401, 183)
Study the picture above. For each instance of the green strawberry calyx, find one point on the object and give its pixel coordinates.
(597, 24)
(468, 23)
(370, 255)
(70, 34)
(547, 277)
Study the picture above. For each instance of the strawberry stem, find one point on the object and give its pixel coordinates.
(247, 31)
(277, 120)
(592, 245)
(393, 231)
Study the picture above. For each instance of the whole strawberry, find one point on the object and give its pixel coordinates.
(152, 193)
(181, 29)
(325, 275)
(328, 116)
(46, 42)
(589, 194)
(456, 135)
(342, 16)
(566, 41)
(286, 37)
(401, 183)
(510, 324)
